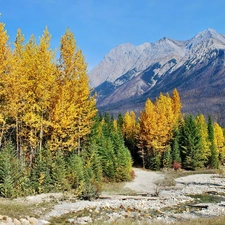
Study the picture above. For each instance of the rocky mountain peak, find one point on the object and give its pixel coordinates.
(129, 74)
(208, 38)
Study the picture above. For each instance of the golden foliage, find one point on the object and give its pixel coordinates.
(203, 128)
(42, 101)
(129, 127)
(156, 123)
(219, 141)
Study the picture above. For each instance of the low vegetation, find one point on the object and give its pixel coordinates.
(205, 221)
(16, 209)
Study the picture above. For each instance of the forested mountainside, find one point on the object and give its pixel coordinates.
(129, 74)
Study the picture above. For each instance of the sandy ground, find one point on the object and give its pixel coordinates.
(144, 181)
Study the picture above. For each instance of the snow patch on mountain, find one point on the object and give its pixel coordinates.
(126, 61)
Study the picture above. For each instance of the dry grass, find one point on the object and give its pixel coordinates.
(16, 209)
(115, 188)
(171, 175)
(201, 221)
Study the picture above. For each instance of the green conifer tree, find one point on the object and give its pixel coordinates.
(92, 172)
(59, 173)
(167, 158)
(176, 146)
(75, 173)
(41, 178)
(8, 171)
(192, 146)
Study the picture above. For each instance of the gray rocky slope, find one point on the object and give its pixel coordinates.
(129, 74)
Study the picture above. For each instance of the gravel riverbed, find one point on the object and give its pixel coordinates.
(167, 204)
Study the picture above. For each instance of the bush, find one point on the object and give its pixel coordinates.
(176, 165)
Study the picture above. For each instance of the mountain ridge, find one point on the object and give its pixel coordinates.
(129, 74)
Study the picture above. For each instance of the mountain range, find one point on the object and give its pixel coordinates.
(129, 74)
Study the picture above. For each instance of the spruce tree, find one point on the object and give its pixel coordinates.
(41, 172)
(92, 172)
(123, 161)
(75, 173)
(167, 158)
(120, 120)
(8, 171)
(176, 146)
(154, 161)
(192, 146)
(59, 173)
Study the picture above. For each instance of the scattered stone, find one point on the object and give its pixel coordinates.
(32, 220)
(222, 203)
(16, 222)
(71, 220)
(24, 222)
(84, 220)
(9, 221)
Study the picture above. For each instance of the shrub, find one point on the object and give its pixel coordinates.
(176, 165)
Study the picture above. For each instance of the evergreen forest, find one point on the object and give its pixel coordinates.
(52, 137)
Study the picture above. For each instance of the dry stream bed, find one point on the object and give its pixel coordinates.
(152, 197)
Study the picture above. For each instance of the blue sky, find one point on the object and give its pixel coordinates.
(100, 25)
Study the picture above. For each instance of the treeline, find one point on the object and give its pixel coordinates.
(103, 158)
(162, 137)
(53, 139)
(50, 136)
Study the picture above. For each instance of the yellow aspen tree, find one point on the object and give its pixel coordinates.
(14, 88)
(177, 105)
(129, 125)
(44, 85)
(219, 141)
(65, 109)
(86, 103)
(115, 125)
(203, 128)
(5, 66)
(130, 131)
(165, 122)
(39, 88)
(5, 51)
(74, 107)
(147, 127)
(29, 131)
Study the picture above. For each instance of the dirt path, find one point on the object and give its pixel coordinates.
(144, 181)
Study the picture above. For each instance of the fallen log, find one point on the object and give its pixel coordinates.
(200, 206)
(125, 197)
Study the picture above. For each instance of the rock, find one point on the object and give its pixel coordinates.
(96, 211)
(41, 222)
(9, 221)
(84, 220)
(70, 220)
(222, 203)
(32, 220)
(124, 214)
(16, 222)
(24, 222)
